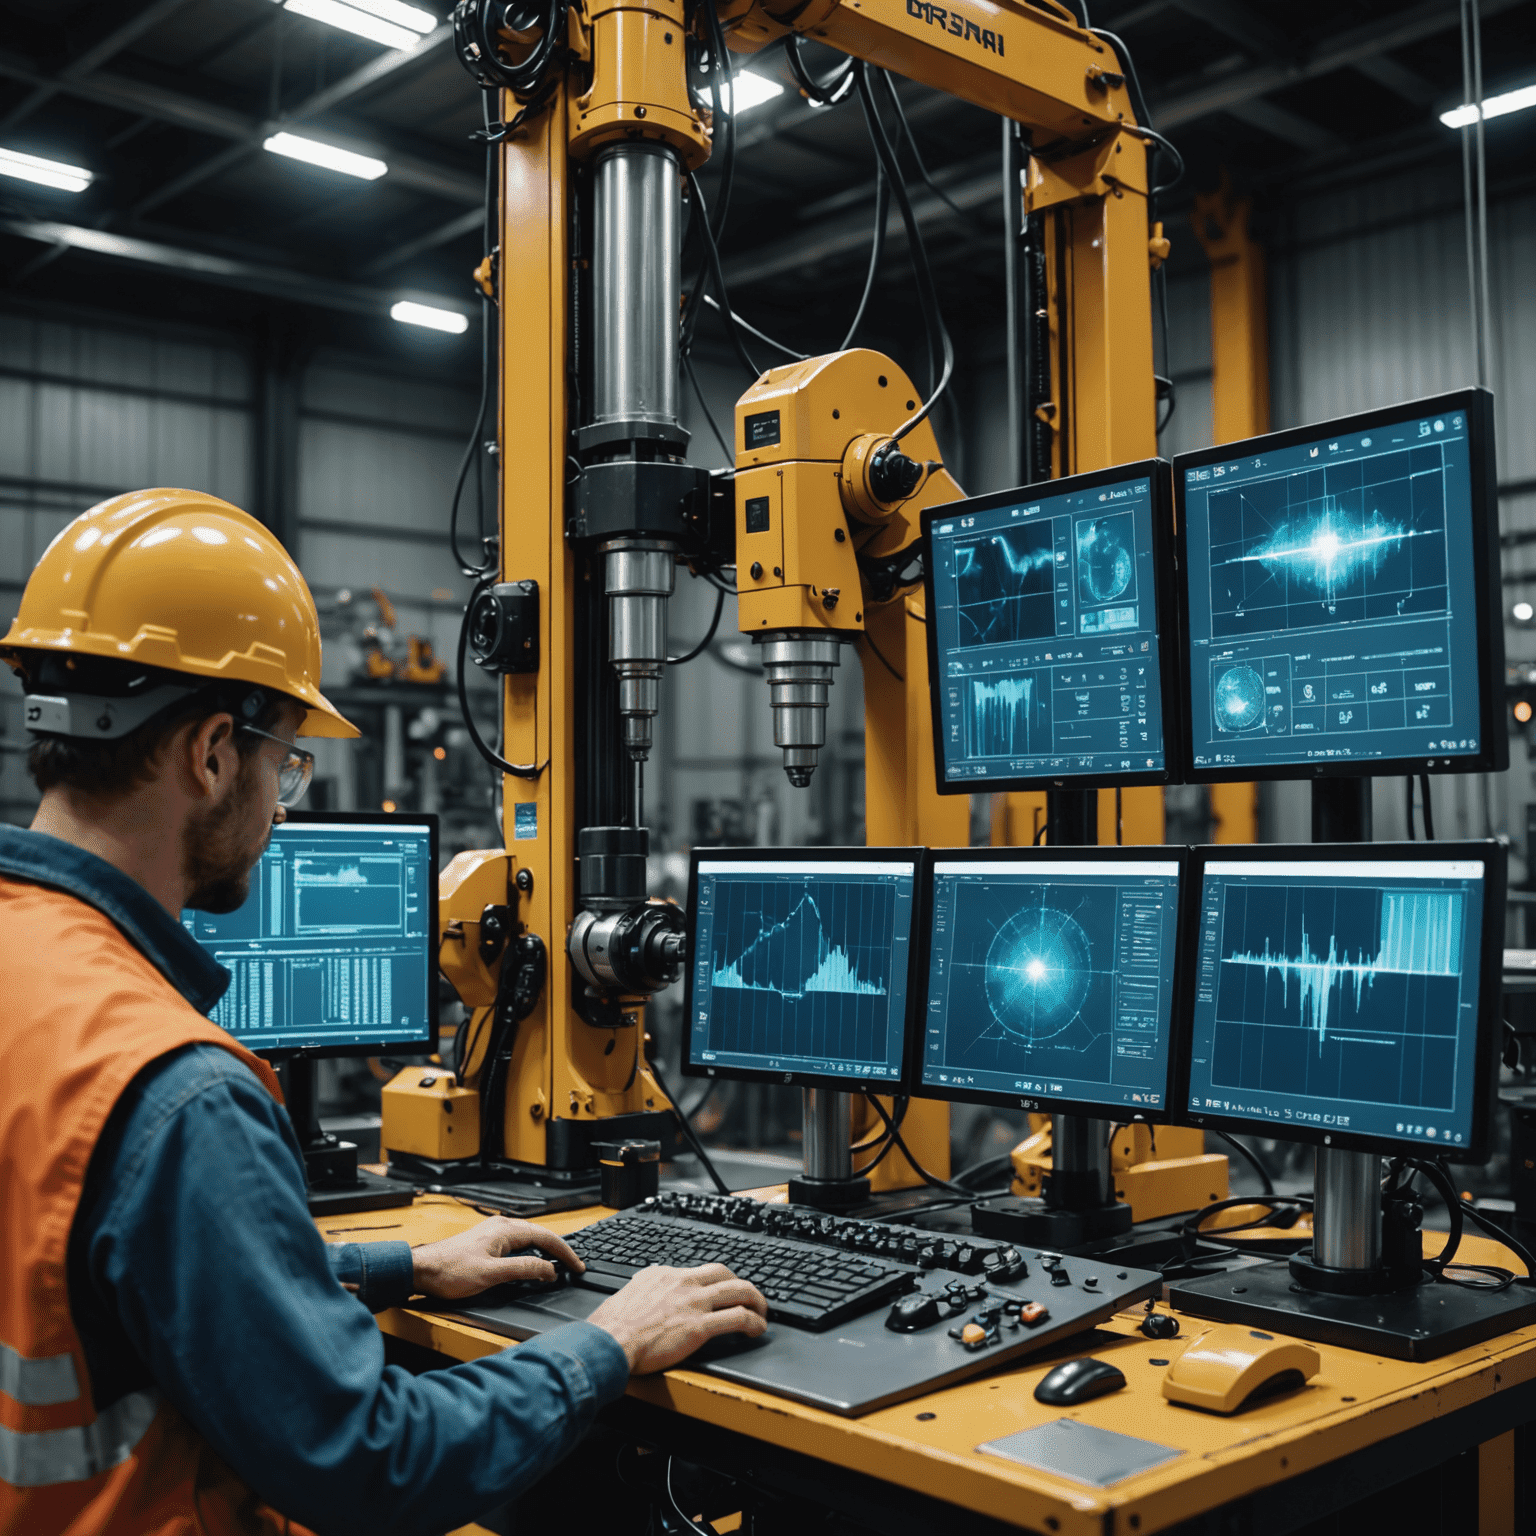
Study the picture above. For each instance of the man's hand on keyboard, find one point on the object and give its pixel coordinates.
(664, 1314)
(494, 1252)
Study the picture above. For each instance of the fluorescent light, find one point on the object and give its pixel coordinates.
(749, 90)
(1493, 106)
(313, 152)
(402, 15)
(362, 23)
(46, 173)
(449, 320)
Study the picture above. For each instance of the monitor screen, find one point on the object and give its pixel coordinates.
(1336, 597)
(1044, 611)
(335, 949)
(1342, 996)
(1051, 979)
(800, 968)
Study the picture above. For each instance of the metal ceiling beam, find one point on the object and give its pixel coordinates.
(1237, 23)
(1400, 80)
(225, 272)
(466, 223)
(404, 168)
(1341, 51)
(93, 58)
(1275, 120)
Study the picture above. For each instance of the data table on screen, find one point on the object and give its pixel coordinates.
(1052, 980)
(331, 946)
(1340, 996)
(801, 966)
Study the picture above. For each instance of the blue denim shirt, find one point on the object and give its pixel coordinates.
(195, 1269)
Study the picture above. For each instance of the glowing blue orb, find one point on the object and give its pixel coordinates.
(1038, 973)
(1239, 699)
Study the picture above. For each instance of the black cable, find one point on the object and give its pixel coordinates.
(1165, 379)
(917, 156)
(709, 634)
(820, 93)
(928, 1178)
(880, 1138)
(752, 330)
(489, 753)
(869, 640)
(752, 669)
(712, 257)
(933, 321)
(1460, 1210)
(876, 251)
(689, 1134)
(1251, 1158)
(1119, 818)
(693, 379)
(1427, 810)
(1408, 804)
(722, 68)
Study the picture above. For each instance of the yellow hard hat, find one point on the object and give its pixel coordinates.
(181, 581)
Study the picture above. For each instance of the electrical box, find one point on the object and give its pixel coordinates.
(427, 1114)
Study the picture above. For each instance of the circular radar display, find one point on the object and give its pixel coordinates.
(1103, 561)
(1038, 973)
(1239, 699)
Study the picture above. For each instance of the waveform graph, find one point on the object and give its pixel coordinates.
(346, 893)
(1340, 991)
(1335, 544)
(1106, 559)
(1007, 586)
(802, 968)
(1031, 979)
(1009, 715)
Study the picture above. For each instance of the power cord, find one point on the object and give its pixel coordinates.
(709, 634)
(488, 752)
(1251, 1158)
(689, 1134)
(895, 1133)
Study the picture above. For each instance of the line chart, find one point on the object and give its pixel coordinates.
(1006, 585)
(783, 952)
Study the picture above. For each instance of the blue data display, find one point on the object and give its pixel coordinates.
(1340, 996)
(331, 948)
(1046, 637)
(1052, 980)
(1331, 599)
(801, 967)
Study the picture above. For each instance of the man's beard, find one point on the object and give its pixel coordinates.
(217, 857)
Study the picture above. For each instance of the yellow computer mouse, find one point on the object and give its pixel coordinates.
(1224, 1367)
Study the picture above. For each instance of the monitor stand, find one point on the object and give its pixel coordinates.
(337, 1186)
(828, 1182)
(1361, 1285)
(1076, 1207)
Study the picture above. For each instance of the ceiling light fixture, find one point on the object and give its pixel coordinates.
(450, 320)
(750, 90)
(313, 152)
(390, 22)
(1493, 106)
(46, 173)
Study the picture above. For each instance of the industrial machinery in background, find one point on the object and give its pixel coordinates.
(598, 118)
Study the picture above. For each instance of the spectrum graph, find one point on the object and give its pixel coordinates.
(1008, 717)
(1006, 586)
(1341, 992)
(795, 957)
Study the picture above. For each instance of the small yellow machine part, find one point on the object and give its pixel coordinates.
(426, 1113)
(1224, 1366)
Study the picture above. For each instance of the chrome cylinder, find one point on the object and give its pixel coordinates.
(1346, 1213)
(636, 280)
(799, 670)
(1080, 1148)
(827, 1119)
(638, 576)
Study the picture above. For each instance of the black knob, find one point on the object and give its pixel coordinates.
(757, 570)
(892, 475)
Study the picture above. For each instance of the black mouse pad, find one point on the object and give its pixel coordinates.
(1083, 1452)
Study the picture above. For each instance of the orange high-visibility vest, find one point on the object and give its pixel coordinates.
(83, 1013)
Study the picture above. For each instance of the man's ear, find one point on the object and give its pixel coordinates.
(212, 758)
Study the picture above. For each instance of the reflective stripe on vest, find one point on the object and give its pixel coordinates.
(38, 1383)
(48, 1456)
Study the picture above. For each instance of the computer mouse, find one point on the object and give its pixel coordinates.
(911, 1313)
(1227, 1369)
(1078, 1381)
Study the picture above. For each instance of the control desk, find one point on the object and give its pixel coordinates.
(1358, 1426)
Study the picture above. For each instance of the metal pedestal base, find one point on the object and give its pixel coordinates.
(1041, 1226)
(829, 1194)
(366, 1192)
(1421, 1323)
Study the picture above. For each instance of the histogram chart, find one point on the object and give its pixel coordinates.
(1045, 629)
(1337, 1002)
(1331, 599)
(340, 894)
(799, 968)
(1052, 980)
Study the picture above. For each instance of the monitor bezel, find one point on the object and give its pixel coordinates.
(419, 1047)
(1486, 1048)
(1477, 405)
(1109, 855)
(1160, 475)
(715, 1073)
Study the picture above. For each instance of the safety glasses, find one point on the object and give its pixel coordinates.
(293, 773)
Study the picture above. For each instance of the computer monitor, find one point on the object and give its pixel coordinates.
(1049, 611)
(334, 952)
(1348, 993)
(801, 964)
(1051, 977)
(1340, 597)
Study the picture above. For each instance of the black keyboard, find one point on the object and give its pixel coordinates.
(816, 1271)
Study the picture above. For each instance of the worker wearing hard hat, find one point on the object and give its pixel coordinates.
(179, 1350)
